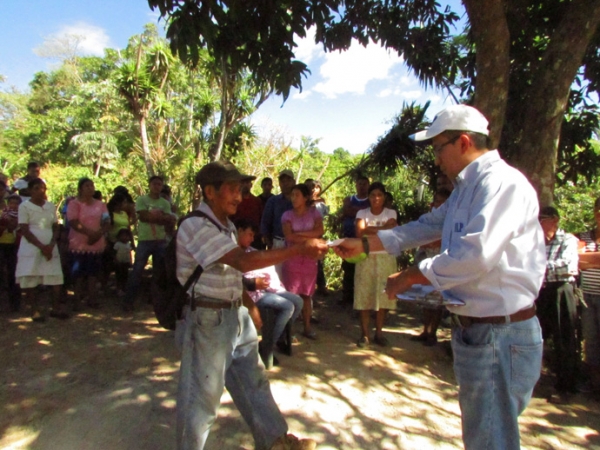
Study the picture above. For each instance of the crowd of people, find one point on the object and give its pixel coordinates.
(486, 243)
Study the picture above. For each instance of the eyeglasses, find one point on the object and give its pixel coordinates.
(438, 149)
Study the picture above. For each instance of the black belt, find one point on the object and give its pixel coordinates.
(519, 316)
(218, 304)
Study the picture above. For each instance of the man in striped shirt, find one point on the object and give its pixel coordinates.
(589, 263)
(219, 340)
(556, 303)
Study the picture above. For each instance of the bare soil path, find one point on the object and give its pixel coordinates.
(107, 380)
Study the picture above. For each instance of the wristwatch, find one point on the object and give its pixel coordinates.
(365, 243)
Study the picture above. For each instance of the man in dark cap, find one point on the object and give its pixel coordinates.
(217, 335)
(556, 304)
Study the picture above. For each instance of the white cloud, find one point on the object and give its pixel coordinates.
(411, 95)
(301, 95)
(78, 39)
(94, 41)
(307, 51)
(352, 70)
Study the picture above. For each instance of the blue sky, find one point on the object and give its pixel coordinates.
(347, 101)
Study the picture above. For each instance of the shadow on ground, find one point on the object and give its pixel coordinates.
(107, 380)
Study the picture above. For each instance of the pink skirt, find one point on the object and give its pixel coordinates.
(300, 275)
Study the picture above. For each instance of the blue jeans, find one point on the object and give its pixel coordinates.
(144, 250)
(286, 306)
(220, 348)
(496, 367)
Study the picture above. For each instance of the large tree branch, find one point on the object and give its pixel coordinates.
(492, 59)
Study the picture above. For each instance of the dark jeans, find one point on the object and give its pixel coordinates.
(8, 266)
(144, 250)
(557, 312)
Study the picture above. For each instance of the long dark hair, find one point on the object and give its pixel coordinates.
(116, 199)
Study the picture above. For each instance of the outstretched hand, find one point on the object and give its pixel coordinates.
(403, 281)
(314, 248)
(348, 248)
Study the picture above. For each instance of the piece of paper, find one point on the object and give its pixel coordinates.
(427, 295)
(335, 243)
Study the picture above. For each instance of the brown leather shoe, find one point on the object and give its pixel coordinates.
(291, 442)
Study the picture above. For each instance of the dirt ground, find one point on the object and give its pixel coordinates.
(107, 380)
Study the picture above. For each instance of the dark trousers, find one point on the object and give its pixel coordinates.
(121, 273)
(144, 250)
(348, 282)
(8, 266)
(557, 313)
(321, 281)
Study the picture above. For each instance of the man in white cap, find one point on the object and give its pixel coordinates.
(492, 259)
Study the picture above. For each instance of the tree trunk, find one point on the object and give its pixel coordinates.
(492, 59)
(146, 146)
(546, 99)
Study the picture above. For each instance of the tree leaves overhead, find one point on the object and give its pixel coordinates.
(260, 35)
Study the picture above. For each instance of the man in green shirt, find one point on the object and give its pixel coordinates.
(154, 214)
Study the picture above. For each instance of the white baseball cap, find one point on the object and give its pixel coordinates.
(456, 117)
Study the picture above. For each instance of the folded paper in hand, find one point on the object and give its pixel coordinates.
(427, 295)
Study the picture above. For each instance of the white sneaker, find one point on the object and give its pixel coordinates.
(291, 442)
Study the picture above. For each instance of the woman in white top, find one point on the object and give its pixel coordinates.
(371, 274)
(38, 260)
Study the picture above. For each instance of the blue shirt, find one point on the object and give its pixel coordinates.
(493, 254)
(270, 225)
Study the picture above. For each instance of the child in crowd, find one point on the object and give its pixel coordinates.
(371, 274)
(123, 261)
(265, 288)
(9, 243)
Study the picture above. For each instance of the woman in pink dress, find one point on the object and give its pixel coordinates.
(88, 223)
(300, 273)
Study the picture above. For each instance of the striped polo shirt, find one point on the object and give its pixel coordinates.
(590, 278)
(199, 241)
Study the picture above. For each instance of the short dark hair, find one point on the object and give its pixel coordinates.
(377, 185)
(480, 140)
(549, 211)
(156, 177)
(15, 197)
(32, 164)
(265, 179)
(362, 177)
(34, 183)
(244, 224)
(124, 231)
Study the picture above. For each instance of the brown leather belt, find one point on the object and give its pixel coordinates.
(519, 316)
(218, 304)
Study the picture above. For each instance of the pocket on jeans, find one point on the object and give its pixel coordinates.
(472, 361)
(525, 366)
(209, 318)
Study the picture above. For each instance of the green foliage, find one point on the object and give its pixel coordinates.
(576, 205)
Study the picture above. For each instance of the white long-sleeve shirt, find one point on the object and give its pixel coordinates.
(493, 252)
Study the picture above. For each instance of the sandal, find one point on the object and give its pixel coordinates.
(38, 317)
(381, 341)
(310, 335)
(363, 342)
(59, 315)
